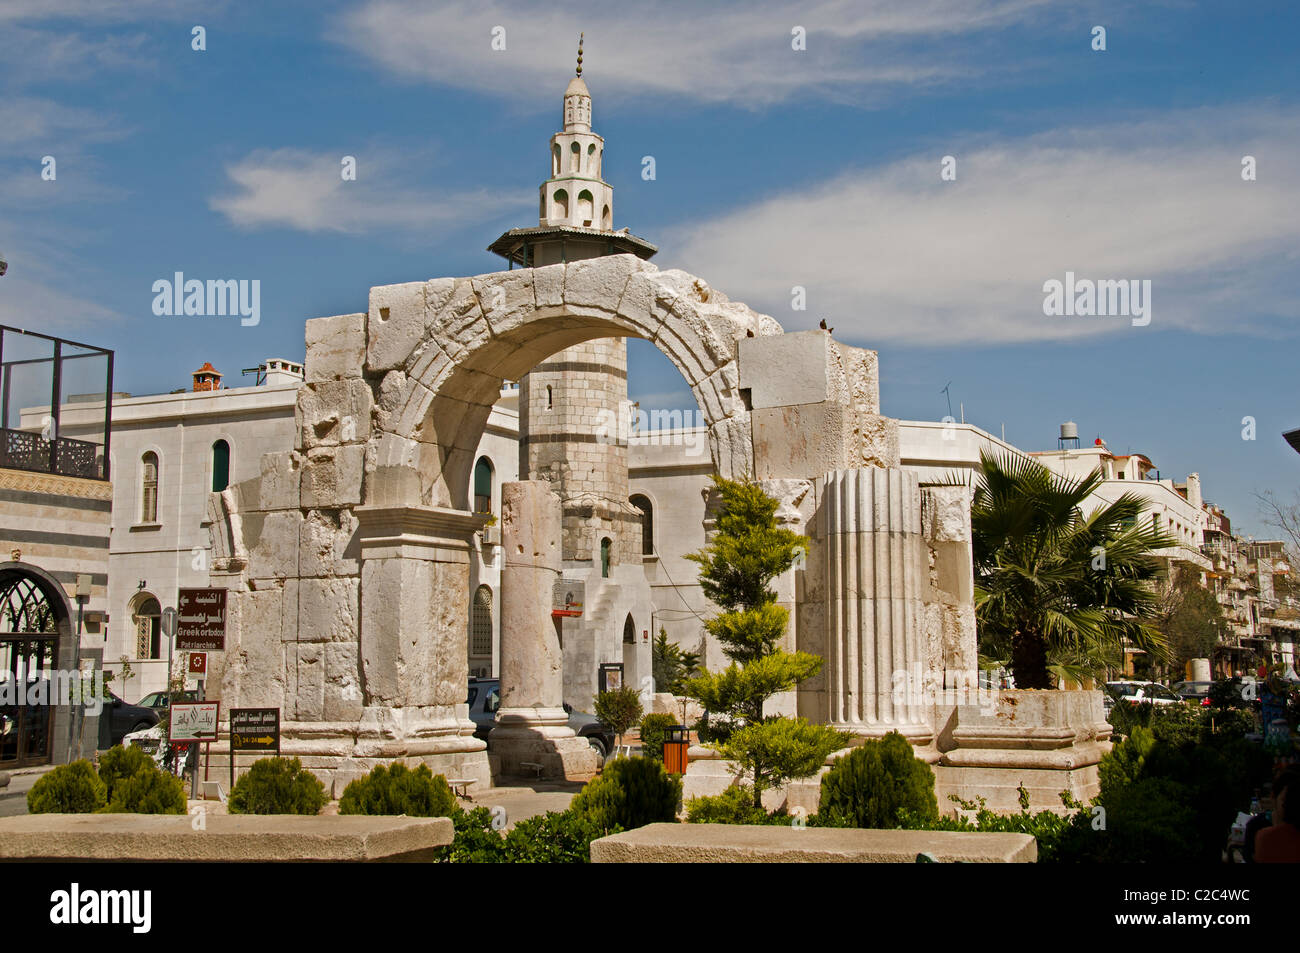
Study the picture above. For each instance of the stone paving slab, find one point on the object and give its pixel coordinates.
(288, 838)
(736, 843)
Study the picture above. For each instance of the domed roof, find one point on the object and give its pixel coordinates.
(576, 87)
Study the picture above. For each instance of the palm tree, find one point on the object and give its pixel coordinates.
(1058, 591)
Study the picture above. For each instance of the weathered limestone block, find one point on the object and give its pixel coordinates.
(505, 297)
(334, 412)
(396, 324)
(874, 441)
(548, 286)
(255, 661)
(305, 681)
(328, 609)
(336, 347)
(800, 440)
(329, 545)
(458, 325)
(343, 698)
(279, 486)
(270, 539)
(731, 446)
(786, 370)
(598, 283)
(332, 477)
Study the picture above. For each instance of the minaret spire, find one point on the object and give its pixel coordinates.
(580, 36)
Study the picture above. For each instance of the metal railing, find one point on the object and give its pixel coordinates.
(24, 450)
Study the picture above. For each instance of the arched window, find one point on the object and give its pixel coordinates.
(148, 628)
(480, 624)
(561, 204)
(549, 403)
(555, 160)
(575, 158)
(483, 485)
(605, 547)
(629, 630)
(585, 205)
(643, 504)
(149, 488)
(606, 219)
(591, 160)
(220, 466)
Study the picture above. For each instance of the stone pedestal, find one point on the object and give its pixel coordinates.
(532, 726)
(1048, 741)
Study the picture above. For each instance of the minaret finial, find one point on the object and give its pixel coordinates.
(580, 36)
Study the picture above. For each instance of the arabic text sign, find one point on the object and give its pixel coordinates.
(201, 620)
(194, 721)
(254, 729)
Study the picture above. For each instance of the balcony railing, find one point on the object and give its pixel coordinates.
(24, 450)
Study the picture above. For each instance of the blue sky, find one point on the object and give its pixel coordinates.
(774, 168)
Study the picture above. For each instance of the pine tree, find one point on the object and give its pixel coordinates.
(747, 552)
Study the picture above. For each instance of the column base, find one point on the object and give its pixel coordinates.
(527, 737)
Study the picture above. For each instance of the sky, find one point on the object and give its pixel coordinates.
(922, 170)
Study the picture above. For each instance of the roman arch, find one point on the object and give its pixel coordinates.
(348, 559)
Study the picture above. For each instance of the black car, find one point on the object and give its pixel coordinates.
(124, 719)
(485, 698)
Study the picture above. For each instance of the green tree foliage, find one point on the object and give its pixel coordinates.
(1057, 591)
(68, 789)
(277, 786)
(873, 783)
(630, 792)
(556, 837)
(396, 789)
(747, 551)
(619, 708)
(1191, 620)
(671, 665)
(654, 730)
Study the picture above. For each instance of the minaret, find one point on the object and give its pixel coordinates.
(570, 404)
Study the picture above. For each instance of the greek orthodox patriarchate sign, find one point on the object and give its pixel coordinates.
(201, 620)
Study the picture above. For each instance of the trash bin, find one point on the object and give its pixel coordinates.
(675, 745)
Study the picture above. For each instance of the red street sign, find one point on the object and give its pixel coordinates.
(198, 663)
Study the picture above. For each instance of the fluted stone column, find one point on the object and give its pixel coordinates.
(532, 726)
(875, 572)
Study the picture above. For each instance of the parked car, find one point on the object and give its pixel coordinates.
(1136, 693)
(124, 719)
(158, 701)
(1198, 692)
(485, 698)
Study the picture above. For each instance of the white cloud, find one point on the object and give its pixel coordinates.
(294, 188)
(740, 53)
(895, 254)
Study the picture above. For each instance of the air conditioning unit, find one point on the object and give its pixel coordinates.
(492, 535)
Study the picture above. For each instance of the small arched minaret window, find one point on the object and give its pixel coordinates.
(483, 485)
(585, 203)
(575, 158)
(591, 161)
(561, 210)
(555, 159)
(220, 466)
(149, 488)
(606, 548)
(629, 630)
(606, 219)
(549, 398)
(643, 504)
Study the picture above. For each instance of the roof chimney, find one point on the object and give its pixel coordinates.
(207, 377)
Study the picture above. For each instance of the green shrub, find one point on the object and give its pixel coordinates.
(557, 837)
(629, 793)
(654, 730)
(1057, 835)
(277, 786)
(476, 840)
(396, 789)
(148, 791)
(68, 789)
(870, 785)
(1149, 820)
(120, 762)
(735, 805)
